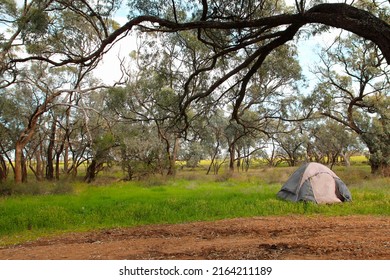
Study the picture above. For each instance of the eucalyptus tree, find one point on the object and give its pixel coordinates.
(270, 154)
(268, 97)
(27, 95)
(330, 140)
(212, 135)
(56, 32)
(8, 132)
(152, 95)
(93, 140)
(145, 108)
(77, 134)
(291, 142)
(36, 94)
(36, 34)
(141, 153)
(354, 91)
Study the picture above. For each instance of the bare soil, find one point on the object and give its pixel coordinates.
(291, 237)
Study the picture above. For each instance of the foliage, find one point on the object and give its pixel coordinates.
(357, 95)
(141, 152)
(214, 80)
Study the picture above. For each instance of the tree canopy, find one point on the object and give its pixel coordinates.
(196, 59)
(49, 29)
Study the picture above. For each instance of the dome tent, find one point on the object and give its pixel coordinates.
(317, 183)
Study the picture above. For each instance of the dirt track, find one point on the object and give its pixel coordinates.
(294, 237)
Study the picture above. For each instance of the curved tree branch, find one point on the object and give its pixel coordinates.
(355, 20)
(342, 16)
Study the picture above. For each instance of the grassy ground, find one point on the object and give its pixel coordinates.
(192, 196)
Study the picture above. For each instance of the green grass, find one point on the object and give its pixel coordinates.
(191, 197)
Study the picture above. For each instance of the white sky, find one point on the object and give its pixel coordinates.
(109, 70)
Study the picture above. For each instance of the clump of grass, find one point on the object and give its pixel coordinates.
(352, 175)
(153, 181)
(5, 188)
(36, 188)
(271, 175)
(223, 176)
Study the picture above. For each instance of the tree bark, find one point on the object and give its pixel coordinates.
(231, 156)
(58, 163)
(18, 162)
(213, 156)
(173, 156)
(50, 149)
(38, 168)
(346, 156)
(3, 169)
(91, 172)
